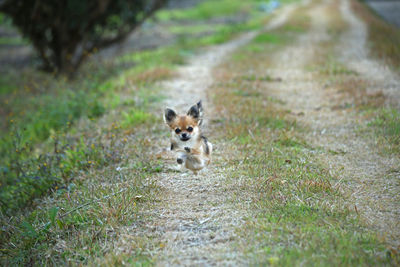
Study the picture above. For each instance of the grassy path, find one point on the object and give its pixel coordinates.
(218, 217)
(305, 171)
(320, 184)
(368, 177)
(374, 174)
(195, 223)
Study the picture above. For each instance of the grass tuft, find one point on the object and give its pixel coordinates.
(386, 124)
(134, 117)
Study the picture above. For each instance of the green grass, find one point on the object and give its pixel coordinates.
(386, 124)
(211, 33)
(13, 41)
(134, 117)
(205, 10)
(7, 84)
(259, 42)
(388, 121)
(196, 28)
(274, 39)
(5, 21)
(220, 34)
(210, 9)
(301, 218)
(80, 233)
(218, 38)
(98, 177)
(332, 67)
(267, 38)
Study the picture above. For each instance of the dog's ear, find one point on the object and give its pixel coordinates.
(199, 105)
(169, 115)
(196, 112)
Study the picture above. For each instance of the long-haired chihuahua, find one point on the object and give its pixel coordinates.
(192, 148)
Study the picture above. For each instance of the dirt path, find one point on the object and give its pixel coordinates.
(354, 52)
(370, 179)
(377, 186)
(195, 224)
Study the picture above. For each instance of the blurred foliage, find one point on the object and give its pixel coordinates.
(65, 32)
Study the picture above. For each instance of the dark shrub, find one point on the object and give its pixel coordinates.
(65, 32)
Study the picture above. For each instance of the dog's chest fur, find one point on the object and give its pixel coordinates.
(191, 143)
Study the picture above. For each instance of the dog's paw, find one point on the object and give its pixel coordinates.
(180, 161)
(187, 149)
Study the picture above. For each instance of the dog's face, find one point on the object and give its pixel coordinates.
(184, 127)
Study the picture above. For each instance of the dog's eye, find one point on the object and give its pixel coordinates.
(189, 129)
(177, 130)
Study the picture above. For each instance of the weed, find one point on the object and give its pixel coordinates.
(386, 123)
(332, 67)
(383, 121)
(135, 117)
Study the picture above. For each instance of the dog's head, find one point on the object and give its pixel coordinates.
(185, 126)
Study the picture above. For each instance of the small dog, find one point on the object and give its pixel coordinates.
(193, 149)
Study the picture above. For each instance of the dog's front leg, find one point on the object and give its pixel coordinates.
(195, 162)
(181, 159)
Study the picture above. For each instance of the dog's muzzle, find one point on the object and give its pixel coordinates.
(184, 137)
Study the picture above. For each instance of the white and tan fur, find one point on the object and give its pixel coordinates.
(192, 148)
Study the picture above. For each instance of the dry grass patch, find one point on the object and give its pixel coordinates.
(356, 92)
(298, 214)
(359, 94)
(151, 76)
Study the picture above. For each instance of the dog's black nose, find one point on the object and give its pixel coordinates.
(184, 135)
(180, 161)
